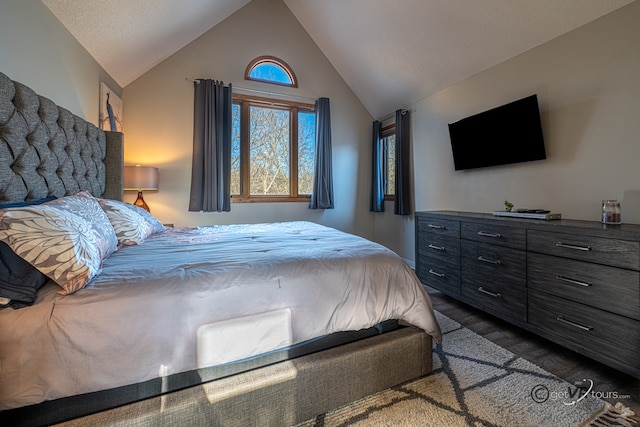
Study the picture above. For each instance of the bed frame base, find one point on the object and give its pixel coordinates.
(287, 392)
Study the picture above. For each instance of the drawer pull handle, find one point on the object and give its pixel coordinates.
(435, 273)
(484, 291)
(485, 234)
(577, 248)
(577, 325)
(490, 261)
(437, 248)
(437, 227)
(574, 282)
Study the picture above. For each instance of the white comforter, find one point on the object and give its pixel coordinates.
(139, 317)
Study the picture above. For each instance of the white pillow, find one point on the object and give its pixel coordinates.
(131, 223)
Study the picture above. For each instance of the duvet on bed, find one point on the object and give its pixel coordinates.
(140, 317)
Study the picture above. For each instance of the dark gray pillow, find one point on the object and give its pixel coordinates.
(19, 280)
(30, 203)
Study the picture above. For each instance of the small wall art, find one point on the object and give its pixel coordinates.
(110, 109)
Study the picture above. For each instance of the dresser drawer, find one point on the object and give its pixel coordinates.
(614, 252)
(435, 225)
(604, 334)
(494, 234)
(495, 295)
(494, 277)
(441, 247)
(613, 289)
(489, 263)
(439, 275)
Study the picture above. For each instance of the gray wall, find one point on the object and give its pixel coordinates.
(587, 83)
(588, 89)
(35, 49)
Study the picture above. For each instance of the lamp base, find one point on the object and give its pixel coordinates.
(141, 203)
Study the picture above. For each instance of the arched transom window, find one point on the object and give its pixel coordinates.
(269, 69)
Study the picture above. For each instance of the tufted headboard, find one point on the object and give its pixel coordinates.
(45, 150)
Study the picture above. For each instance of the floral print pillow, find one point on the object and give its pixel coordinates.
(131, 223)
(66, 239)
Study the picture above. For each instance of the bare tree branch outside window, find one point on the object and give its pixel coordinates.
(274, 153)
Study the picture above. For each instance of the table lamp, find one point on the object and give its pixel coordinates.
(140, 178)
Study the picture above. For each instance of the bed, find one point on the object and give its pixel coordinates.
(206, 325)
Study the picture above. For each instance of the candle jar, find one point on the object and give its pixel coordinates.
(611, 212)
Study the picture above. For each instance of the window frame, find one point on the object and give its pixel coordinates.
(245, 102)
(386, 132)
(274, 61)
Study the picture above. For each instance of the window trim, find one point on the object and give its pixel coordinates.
(246, 101)
(266, 59)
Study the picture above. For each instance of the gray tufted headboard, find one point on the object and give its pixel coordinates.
(45, 150)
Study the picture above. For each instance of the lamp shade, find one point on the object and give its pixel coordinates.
(140, 178)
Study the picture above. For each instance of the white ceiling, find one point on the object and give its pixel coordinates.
(391, 53)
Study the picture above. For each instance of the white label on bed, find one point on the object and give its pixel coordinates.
(236, 339)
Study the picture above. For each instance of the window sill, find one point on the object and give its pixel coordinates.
(269, 199)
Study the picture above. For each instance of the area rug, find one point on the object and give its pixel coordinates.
(478, 383)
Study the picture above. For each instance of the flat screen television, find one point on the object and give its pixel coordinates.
(511, 133)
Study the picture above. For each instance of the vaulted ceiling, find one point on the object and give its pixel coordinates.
(391, 53)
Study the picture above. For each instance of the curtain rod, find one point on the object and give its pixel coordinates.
(263, 92)
(392, 115)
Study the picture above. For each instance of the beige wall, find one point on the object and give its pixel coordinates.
(36, 50)
(159, 118)
(589, 94)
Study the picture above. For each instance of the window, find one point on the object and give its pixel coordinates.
(269, 69)
(272, 150)
(389, 161)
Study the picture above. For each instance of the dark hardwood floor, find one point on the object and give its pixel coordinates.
(554, 358)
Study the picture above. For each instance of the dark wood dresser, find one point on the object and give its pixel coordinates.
(576, 283)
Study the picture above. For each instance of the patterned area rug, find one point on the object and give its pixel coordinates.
(478, 383)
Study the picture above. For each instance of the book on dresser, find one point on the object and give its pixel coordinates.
(576, 283)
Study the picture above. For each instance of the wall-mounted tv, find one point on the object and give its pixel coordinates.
(511, 133)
